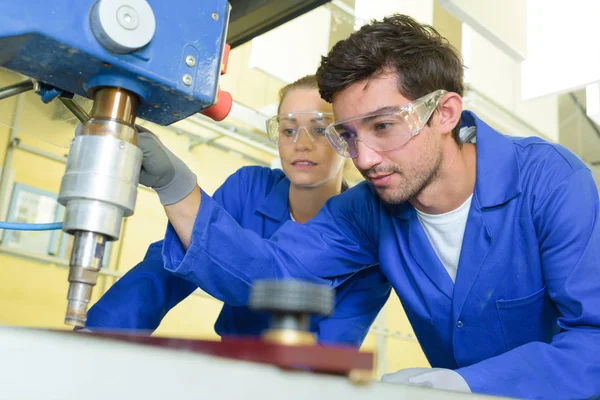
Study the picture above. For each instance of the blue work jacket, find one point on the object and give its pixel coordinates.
(522, 319)
(258, 200)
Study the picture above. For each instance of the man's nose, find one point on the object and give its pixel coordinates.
(367, 157)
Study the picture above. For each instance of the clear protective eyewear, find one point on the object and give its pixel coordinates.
(383, 130)
(284, 129)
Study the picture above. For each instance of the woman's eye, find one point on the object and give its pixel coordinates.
(288, 131)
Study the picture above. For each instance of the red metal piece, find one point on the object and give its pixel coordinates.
(336, 360)
(220, 110)
(225, 61)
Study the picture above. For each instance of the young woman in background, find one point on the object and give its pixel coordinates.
(260, 199)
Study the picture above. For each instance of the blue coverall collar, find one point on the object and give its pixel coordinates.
(275, 204)
(498, 177)
(498, 172)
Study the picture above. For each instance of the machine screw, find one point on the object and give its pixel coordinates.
(190, 61)
(187, 79)
(128, 18)
(215, 16)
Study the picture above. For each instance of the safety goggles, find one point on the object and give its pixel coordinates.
(383, 130)
(284, 129)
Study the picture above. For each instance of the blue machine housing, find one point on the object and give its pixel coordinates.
(52, 41)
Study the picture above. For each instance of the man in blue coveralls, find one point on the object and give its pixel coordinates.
(493, 246)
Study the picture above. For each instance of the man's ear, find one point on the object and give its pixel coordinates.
(449, 109)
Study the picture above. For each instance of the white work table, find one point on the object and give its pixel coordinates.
(38, 364)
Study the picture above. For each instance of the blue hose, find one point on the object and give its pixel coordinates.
(19, 226)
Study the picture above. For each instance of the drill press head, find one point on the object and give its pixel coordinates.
(153, 59)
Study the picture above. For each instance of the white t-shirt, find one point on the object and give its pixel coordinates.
(445, 233)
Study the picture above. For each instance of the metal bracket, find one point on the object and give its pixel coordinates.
(79, 112)
(17, 88)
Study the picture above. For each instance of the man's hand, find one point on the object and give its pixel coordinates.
(163, 171)
(436, 378)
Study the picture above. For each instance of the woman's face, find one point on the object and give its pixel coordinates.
(307, 158)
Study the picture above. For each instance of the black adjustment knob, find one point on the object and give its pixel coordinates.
(291, 303)
(292, 296)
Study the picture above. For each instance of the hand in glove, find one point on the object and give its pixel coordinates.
(162, 171)
(437, 378)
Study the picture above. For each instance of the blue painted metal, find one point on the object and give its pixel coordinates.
(52, 42)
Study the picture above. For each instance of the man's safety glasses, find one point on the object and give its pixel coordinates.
(384, 130)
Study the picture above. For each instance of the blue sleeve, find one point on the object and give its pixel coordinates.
(141, 298)
(568, 226)
(224, 259)
(358, 301)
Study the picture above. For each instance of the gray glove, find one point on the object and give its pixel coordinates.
(162, 171)
(436, 378)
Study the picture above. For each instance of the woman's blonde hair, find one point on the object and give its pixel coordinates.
(306, 82)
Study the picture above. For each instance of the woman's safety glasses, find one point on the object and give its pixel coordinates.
(284, 129)
(383, 130)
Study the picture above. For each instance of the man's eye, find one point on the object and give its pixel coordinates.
(347, 135)
(382, 126)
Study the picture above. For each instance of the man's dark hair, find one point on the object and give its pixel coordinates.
(422, 59)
